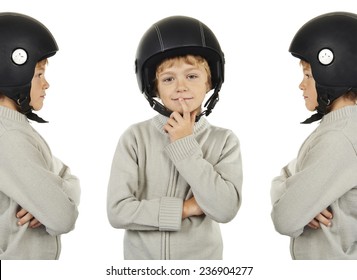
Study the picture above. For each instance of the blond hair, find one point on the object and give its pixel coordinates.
(42, 62)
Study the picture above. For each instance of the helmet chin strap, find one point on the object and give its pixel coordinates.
(209, 105)
(26, 109)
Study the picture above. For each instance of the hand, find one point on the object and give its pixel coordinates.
(179, 126)
(191, 208)
(324, 218)
(24, 217)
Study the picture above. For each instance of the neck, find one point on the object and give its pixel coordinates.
(8, 103)
(342, 102)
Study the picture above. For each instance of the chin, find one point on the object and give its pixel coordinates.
(37, 108)
(311, 108)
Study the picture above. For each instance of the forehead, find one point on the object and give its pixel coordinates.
(181, 66)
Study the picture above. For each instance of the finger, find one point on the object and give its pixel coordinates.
(323, 220)
(172, 121)
(167, 128)
(193, 116)
(327, 214)
(21, 213)
(175, 118)
(34, 223)
(314, 224)
(25, 219)
(185, 110)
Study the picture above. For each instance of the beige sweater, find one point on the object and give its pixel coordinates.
(323, 175)
(31, 178)
(151, 178)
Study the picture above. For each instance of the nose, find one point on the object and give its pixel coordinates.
(46, 85)
(302, 85)
(181, 85)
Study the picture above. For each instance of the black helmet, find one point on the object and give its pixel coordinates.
(177, 36)
(24, 41)
(328, 43)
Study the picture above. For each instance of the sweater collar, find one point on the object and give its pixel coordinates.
(160, 120)
(339, 114)
(12, 115)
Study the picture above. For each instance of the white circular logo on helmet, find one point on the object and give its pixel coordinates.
(326, 56)
(19, 56)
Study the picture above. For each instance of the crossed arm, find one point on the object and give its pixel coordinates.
(45, 190)
(303, 198)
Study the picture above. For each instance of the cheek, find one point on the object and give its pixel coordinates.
(34, 87)
(208, 87)
(313, 93)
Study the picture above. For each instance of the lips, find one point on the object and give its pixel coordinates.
(184, 98)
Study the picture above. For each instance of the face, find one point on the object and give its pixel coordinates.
(38, 87)
(308, 87)
(183, 80)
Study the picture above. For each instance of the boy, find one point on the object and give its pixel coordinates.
(315, 197)
(175, 177)
(38, 194)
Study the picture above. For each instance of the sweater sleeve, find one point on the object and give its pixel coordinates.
(325, 173)
(278, 187)
(124, 208)
(216, 186)
(28, 179)
(72, 187)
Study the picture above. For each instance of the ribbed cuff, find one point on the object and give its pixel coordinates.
(182, 148)
(170, 214)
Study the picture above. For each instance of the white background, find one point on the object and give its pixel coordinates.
(94, 97)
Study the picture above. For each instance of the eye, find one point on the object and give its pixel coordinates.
(307, 75)
(39, 74)
(192, 76)
(167, 79)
